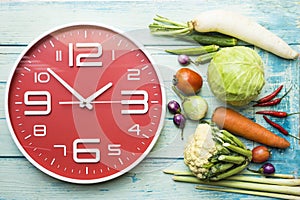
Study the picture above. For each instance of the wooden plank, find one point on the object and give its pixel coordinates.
(26, 20)
(146, 181)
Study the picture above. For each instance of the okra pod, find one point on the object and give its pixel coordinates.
(205, 58)
(223, 41)
(194, 51)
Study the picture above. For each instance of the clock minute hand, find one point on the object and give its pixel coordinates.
(70, 89)
(98, 92)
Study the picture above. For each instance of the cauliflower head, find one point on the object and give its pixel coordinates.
(198, 151)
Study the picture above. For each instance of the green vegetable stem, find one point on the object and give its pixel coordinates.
(283, 186)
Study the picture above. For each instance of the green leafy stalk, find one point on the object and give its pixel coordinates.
(276, 175)
(242, 185)
(241, 191)
(169, 27)
(273, 181)
(178, 173)
(162, 19)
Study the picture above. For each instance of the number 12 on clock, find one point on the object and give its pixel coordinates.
(81, 58)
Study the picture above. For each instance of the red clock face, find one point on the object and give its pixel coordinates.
(85, 104)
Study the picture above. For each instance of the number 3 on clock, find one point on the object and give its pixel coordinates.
(82, 57)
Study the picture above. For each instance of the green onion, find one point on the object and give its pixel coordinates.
(283, 189)
(257, 193)
(276, 175)
(273, 181)
(285, 186)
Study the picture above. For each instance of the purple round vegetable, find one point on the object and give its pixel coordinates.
(179, 120)
(184, 59)
(174, 107)
(267, 168)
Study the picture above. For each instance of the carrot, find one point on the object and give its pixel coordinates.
(238, 124)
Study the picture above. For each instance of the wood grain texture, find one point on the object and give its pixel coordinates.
(22, 21)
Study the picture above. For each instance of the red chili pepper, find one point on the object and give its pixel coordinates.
(279, 127)
(269, 103)
(275, 125)
(270, 96)
(273, 113)
(273, 102)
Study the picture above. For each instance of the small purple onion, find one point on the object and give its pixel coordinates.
(174, 107)
(184, 59)
(268, 168)
(179, 120)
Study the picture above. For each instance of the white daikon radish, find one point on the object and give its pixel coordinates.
(228, 23)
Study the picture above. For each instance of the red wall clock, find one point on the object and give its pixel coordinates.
(85, 103)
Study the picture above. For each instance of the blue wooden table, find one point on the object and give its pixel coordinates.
(22, 21)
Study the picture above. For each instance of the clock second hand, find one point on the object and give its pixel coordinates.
(93, 102)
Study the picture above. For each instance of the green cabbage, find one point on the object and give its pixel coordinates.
(236, 75)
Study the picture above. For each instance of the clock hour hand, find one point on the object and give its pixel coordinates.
(97, 93)
(70, 89)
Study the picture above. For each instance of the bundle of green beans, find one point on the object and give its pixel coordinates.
(214, 154)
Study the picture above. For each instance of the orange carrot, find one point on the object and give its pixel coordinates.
(238, 124)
